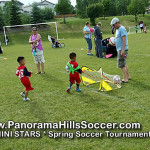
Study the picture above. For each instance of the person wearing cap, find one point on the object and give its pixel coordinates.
(122, 48)
(98, 40)
(88, 37)
(37, 50)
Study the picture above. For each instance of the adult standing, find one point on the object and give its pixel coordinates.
(37, 50)
(122, 48)
(98, 40)
(88, 37)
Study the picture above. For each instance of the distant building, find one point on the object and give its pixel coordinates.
(3, 2)
(148, 10)
(41, 5)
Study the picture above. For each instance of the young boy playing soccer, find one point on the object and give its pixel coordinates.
(24, 75)
(74, 70)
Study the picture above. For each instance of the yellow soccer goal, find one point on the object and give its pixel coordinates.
(107, 82)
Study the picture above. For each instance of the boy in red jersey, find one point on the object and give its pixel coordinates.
(24, 75)
(74, 70)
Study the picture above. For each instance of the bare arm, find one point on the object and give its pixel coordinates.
(85, 32)
(123, 45)
(30, 41)
(37, 39)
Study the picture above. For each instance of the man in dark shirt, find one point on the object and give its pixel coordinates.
(98, 40)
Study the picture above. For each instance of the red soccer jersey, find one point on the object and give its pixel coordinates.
(74, 77)
(74, 64)
(22, 72)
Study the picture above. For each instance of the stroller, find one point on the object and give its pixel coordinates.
(55, 44)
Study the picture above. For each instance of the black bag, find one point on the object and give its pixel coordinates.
(111, 50)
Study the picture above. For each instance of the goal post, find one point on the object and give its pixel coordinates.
(15, 26)
(132, 30)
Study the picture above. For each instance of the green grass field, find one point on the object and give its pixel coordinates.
(50, 102)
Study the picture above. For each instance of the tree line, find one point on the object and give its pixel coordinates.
(103, 8)
(10, 14)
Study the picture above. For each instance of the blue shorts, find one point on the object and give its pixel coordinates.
(89, 41)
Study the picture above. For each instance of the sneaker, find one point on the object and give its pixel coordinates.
(38, 73)
(90, 54)
(26, 99)
(68, 90)
(22, 94)
(78, 90)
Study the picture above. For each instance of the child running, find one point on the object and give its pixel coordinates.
(74, 70)
(24, 75)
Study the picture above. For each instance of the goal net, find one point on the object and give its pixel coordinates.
(106, 82)
(132, 30)
(22, 32)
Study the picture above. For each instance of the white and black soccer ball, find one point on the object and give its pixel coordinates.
(116, 79)
(112, 41)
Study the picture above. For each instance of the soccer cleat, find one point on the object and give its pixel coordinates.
(26, 99)
(68, 90)
(78, 90)
(22, 94)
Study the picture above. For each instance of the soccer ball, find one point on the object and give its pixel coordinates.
(116, 79)
(112, 41)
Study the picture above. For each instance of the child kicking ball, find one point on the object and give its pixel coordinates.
(24, 75)
(74, 70)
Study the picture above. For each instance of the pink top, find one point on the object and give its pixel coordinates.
(33, 38)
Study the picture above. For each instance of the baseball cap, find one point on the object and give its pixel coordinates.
(114, 20)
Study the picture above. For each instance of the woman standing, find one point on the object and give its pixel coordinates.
(37, 50)
(88, 38)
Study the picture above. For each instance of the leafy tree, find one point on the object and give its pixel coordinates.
(136, 7)
(6, 11)
(107, 6)
(147, 3)
(81, 7)
(122, 7)
(25, 18)
(112, 11)
(14, 13)
(47, 13)
(63, 7)
(36, 14)
(1, 19)
(94, 11)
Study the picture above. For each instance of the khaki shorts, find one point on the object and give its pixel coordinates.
(121, 61)
(39, 59)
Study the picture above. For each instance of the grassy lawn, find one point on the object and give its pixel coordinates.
(50, 102)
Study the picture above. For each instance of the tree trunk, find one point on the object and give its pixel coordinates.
(136, 18)
(64, 19)
(92, 20)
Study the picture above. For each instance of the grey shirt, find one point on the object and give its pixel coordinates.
(97, 33)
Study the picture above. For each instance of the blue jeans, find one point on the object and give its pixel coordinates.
(98, 43)
(89, 41)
